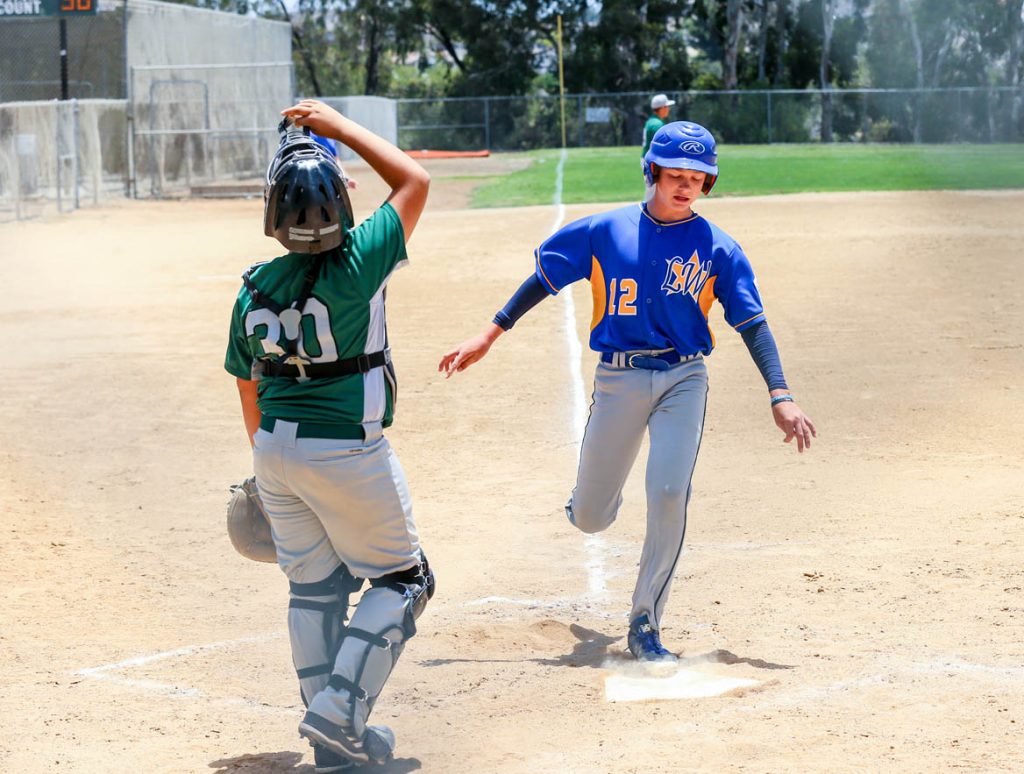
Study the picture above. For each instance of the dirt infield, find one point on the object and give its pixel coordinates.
(872, 588)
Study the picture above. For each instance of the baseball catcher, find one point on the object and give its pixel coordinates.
(308, 346)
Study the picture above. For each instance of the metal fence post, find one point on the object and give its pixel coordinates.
(959, 111)
(58, 156)
(487, 123)
(74, 151)
(865, 126)
(131, 189)
(17, 170)
(582, 119)
(769, 95)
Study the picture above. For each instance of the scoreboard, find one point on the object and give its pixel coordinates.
(35, 8)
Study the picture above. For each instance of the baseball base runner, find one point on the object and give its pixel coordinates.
(654, 270)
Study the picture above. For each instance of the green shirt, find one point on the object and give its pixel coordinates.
(343, 318)
(650, 129)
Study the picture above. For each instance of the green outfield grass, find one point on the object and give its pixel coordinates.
(613, 174)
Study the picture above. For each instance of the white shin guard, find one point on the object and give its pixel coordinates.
(316, 623)
(383, 622)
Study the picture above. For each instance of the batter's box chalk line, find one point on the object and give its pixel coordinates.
(115, 673)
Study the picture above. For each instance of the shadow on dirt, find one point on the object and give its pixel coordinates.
(729, 658)
(292, 762)
(596, 650)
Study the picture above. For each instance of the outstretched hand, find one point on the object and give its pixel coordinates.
(321, 118)
(468, 352)
(791, 420)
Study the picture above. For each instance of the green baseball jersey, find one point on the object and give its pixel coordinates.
(650, 129)
(343, 318)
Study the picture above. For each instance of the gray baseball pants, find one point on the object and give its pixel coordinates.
(670, 405)
(331, 501)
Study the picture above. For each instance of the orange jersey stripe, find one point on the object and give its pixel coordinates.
(597, 289)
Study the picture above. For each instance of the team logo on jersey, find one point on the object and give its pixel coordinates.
(693, 147)
(686, 276)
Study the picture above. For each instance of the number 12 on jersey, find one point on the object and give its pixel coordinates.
(622, 297)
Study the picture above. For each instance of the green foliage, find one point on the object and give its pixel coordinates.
(613, 174)
(630, 47)
(962, 42)
(435, 48)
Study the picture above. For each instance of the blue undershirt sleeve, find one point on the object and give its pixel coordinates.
(761, 343)
(530, 293)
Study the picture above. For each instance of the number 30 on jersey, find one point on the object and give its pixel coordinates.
(267, 328)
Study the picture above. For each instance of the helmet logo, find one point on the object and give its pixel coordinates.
(693, 147)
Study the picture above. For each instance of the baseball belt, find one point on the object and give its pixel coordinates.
(348, 432)
(653, 360)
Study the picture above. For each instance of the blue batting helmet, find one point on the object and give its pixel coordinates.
(683, 145)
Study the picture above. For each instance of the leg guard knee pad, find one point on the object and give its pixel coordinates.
(316, 622)
(383, 622)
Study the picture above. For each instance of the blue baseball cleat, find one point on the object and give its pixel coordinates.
(644, 643)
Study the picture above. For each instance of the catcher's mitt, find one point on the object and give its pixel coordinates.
(248, 525)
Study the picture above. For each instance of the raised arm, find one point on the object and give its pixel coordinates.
(408, 180)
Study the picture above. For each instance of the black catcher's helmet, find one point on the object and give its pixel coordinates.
(306, 204)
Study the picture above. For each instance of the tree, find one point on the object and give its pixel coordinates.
(763, 8)
(1014, 65)
(828, 11)
(733, 40)
(629, 48)
(302, 52)
(780, 28)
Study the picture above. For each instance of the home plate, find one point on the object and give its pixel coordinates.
(673, 683)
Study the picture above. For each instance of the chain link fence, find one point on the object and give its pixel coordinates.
(60, 155)
(30, 55)
(185, 126)
(164, 97)
(195, 125)
(981, 115)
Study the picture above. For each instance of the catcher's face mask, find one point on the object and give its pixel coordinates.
(306, 204)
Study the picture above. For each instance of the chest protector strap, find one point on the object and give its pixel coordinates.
(296, 367)
(291, 364)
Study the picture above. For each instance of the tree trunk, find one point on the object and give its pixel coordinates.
(442, 36)
(782, 45)
(372, 81)
(734, 28)
(1014, 66)
(762, 40)
(915, 39)
(828, 20)
(307, 60)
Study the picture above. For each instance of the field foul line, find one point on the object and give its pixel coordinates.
(594, 545)
(597, 588)
(109, 673)
(188, 650)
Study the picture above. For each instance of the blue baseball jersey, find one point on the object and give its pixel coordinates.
(653, 283)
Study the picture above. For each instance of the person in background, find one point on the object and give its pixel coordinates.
(660, 105)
